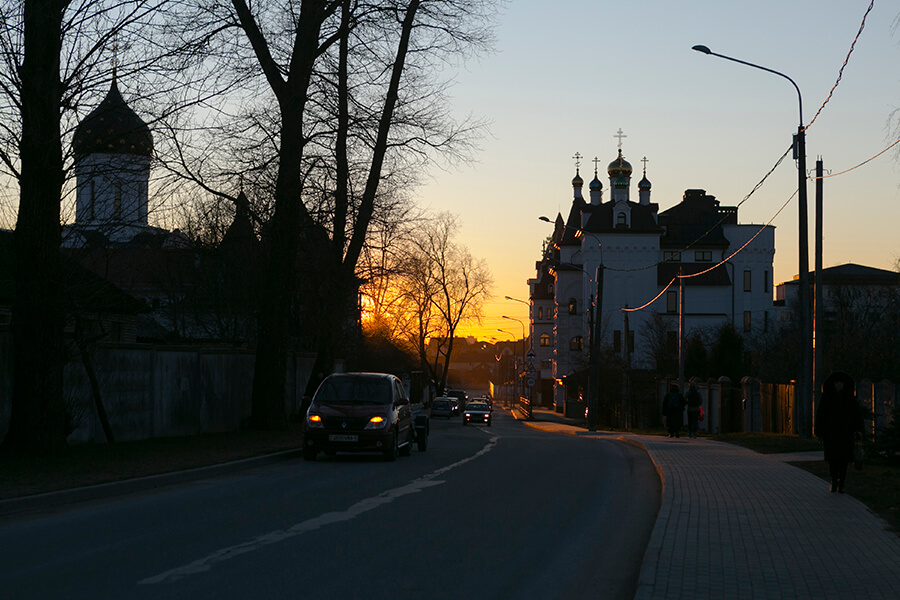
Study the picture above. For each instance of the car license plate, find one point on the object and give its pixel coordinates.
(342, 437)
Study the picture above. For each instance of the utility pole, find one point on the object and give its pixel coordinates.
(680, 331)
(806, 326)
(817, 306)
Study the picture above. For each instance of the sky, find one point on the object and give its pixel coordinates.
(567, 75)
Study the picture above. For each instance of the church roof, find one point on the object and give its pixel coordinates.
(112, 128)
(697, 221)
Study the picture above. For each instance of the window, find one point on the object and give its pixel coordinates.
(577, 344)
(545, 339)
(617, 341)
(672, 256)
(703, 255)
(540, 313)
(621, 220)
(573, 306)
(672, 301)
(746, 320)
(747, 280)
(766, 287)
(550, 288)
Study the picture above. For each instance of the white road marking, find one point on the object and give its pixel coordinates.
(205, 564)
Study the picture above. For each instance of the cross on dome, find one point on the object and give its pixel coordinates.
(577, 158)
(645, 161)
(620, 135)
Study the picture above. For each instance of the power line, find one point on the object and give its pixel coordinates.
(846, 60)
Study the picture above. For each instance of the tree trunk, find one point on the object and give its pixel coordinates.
(37, 421)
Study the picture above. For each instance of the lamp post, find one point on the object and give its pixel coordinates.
(528, 413)
(804, 381)
(515, 357)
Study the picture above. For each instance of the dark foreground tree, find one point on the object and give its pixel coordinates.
(37, 421)
(40, 96)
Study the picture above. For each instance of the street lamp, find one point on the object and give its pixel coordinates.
(804, 381)
(515, 358)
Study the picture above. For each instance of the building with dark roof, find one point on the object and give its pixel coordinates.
(193, 294)
(645, 256)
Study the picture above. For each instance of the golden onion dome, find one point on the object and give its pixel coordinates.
(619, 167)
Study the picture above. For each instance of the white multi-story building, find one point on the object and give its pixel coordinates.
(725, 268)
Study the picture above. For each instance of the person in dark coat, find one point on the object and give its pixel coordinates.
(673, 409)
(838, 424)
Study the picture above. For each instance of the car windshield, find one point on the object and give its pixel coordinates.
(354, 390)
(476, 406)
(441, 404)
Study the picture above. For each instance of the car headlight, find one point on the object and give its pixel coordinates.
(376, 422)
(314, 422)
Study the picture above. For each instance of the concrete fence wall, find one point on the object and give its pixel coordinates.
(157, 391)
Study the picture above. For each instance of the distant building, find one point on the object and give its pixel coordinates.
(728, 269)
(843, 286)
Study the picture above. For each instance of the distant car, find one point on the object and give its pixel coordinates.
(487, 400)
(460, 395)
(454, 407)
(477, 412)
(442, 407)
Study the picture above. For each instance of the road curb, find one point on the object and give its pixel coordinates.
(35, 502)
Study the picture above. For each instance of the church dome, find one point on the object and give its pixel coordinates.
(644, 183)
(596, 184)
(619, 167)
(577, 181)
(112, 128)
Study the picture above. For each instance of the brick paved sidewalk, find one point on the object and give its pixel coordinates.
(737, 524)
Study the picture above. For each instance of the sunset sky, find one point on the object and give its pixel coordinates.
(568, 74)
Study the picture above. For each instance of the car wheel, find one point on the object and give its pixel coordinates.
(310, 454)
(465, 422)
(489, 422)
(391, 452)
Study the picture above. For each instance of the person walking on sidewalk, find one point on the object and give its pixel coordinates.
(673, 409)
(838, 425)
(693, 400)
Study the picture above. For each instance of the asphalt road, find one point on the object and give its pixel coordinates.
(499, 512)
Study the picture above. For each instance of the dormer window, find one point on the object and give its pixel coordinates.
(621, 220)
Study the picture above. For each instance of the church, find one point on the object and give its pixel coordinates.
(646, 271)
(191, 293)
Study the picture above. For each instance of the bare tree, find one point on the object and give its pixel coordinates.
(52, 57)
(441, 287)
(355, 111)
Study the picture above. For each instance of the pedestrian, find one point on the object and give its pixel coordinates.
(673, 409)
(838, 425)
(693, 400)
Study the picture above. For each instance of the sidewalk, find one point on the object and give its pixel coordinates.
(738, 524)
